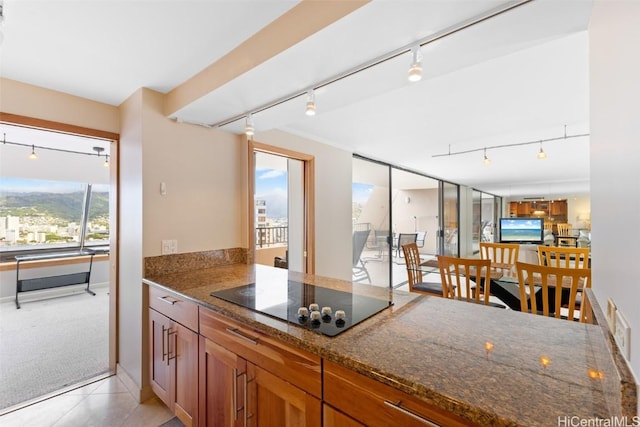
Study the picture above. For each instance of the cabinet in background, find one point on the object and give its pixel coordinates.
(174, 353)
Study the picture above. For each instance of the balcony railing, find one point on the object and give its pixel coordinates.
(272, 236)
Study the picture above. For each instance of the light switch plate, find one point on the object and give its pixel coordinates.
(622, 335)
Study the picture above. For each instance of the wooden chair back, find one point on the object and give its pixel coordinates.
(465, 279)
(412, 260)
(567, 257)
(564, 229)
(502, 255)
(548, 225)
(545, 281)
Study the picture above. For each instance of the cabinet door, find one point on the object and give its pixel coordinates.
(184, 358)
(276, 402)
(334, 418)
(559, 208)
(222, 386)
(524, 209)
(159, 326)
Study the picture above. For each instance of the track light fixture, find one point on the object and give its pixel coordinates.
(311, 103)
(33, 155)
(486, 160)
(248, 125)
(541, 153)
(415, 70)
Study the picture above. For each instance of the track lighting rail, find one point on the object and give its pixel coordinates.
(376, 61)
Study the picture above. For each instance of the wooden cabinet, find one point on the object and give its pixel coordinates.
(333, 418)
(377, 405)
(559, 209)
(524, 209)
(248, 379)
(174, 353)
(555, 211)
(223, 386)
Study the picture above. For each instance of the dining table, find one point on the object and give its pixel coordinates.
(504, 283)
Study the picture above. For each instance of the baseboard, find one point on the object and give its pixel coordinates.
(53, 292)
(140, 394)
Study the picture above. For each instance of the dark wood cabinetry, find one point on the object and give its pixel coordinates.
(554, 211)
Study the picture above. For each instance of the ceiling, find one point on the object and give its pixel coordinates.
(518, 77)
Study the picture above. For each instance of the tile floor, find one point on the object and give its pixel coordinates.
(104, 403)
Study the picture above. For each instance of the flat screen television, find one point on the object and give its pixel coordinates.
(522, 230)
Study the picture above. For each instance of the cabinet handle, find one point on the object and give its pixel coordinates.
(235, 394)
(175, 344)
(164, 353)
(170, 302)
(411, 414)
(246, 403)
(239, 334)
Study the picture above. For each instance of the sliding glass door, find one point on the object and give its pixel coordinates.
(449, 224)
(371, 219)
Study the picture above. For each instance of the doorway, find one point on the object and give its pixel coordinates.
(58, 196)
(281, 214)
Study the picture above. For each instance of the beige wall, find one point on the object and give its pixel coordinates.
(205, 172)
(36, 102)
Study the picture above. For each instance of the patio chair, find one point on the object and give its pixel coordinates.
(403, 239)
(359, 268)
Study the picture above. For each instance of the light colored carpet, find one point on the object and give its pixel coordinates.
(50, 344)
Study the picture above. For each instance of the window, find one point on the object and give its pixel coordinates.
(40, 214)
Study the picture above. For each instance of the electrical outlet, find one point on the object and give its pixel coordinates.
(169, 247)
(611, 315)
(622, 335)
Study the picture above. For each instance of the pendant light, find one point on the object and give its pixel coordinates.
(248, 125)
(541, 153)
(486, 160)
(311, 103)
(415, 70)
(33, 155)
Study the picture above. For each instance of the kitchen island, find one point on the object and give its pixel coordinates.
(480, 364)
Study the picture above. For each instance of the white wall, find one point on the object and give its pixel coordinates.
(615, 158)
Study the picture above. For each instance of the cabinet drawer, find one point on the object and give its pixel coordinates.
(174, 307)
(378, 405)
(296, 366)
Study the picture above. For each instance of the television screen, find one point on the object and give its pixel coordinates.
(522, 230)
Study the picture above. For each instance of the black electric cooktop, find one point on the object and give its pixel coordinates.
(284, 302)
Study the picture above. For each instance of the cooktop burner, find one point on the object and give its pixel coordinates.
(324, 310)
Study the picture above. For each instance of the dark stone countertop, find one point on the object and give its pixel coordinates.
(434, 348)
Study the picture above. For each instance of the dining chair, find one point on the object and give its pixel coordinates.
(414, 272)
(403, 239)
(466, 279)
(503, 256)
(551, 291)
(564, 230)
(568, 257)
